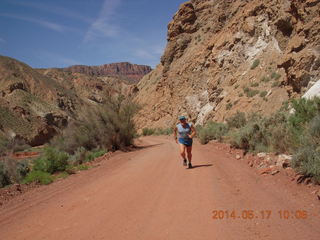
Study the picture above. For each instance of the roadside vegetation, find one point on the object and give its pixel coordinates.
(156, 131)
(297, 133)
(100, 129)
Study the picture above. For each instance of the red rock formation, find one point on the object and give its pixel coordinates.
(132, 72)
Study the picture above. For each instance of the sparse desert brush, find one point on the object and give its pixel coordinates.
(109, 126)
(255, 64)
(238, 120)
(148, 131)
(12, 171)
(263, 94)
(212, 131)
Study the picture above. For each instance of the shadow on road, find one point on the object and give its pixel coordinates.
(137, 148)
(201, 165)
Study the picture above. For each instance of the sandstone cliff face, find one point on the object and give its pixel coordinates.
(130, 72)
(223, 56)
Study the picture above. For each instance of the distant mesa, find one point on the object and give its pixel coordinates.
(132, 72)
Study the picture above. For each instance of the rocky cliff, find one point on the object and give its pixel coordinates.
(130, 72)
(225, 56)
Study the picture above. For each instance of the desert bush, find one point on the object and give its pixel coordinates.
(265, 79)
(12, 171)
(276, 84)
(164, 131)
(304, 112)
(229, 106)
(280, 138)
(250, 92)
(4, 180)
(148, 131)
(51, 161)
(108, 126)
(307, 156)
(255, 64)
(263, 94)
(10, 145)
(39, 177)
(238, 120)
(3, 145)
(77, 157)
(93, 155)
(212, 131)
(251, 137)
(275, 75)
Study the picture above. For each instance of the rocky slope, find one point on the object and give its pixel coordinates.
(36, 104)
(130, 72)
(225, 56)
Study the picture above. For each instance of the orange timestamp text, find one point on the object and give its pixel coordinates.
(249, 214)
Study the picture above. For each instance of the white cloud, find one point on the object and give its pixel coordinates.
(103, 26)
(49, 25)
(53, 9)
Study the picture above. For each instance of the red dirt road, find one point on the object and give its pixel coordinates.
(148, 194)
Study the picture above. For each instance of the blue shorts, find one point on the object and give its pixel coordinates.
(186, 141)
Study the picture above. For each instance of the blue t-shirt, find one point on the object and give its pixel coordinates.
(183, 132)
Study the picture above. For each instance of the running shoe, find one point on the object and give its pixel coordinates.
(184, 162)
(190, 165)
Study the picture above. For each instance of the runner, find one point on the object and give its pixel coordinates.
(185, 132)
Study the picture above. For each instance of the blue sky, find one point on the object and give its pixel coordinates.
(60, 33)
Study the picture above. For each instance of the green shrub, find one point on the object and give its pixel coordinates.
(148, 131)
(251, 137)
(265, 79)
(212, 131)
(78, 157)
(90, 156)
(163, 131)
(83, 167)
(276, 84)
(263, 94)
(255, 64)
(108, 126)
(255, 84)
(39, 177)
(3, 145)
(228, 106)
(304, 112)
(4, 180)
(250, 92)
(238, 120)
(275, 76)
(51, 161)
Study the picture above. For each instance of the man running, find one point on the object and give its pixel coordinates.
(185, 132)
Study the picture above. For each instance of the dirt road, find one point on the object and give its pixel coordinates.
(148, 194)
